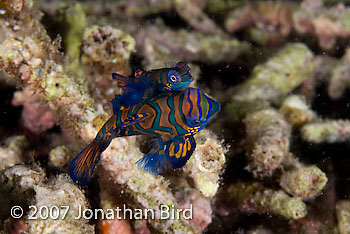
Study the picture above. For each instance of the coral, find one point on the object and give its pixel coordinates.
(206, 163)
(343, 216)
(279, 75)
(75, 22)
(323, 66)
(305, 182)
(17, 185)
(267, 141)
(60, 156)
(339, 81)
(259, 230)
(268, 22)
(105, 50)
(296, 111)
(36, 116)
(327, 24)
(270, 81)
(163, 44)
(13, 153)
(219, 6)
(107, 46)
(339, 77)
(76, 112)
(188, 197)
(60, 191)
(330, 131)
(272, 22)
(254, 198)
(149, 191)
(196, 18)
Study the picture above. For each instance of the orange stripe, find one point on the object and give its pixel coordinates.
(177, 111)
(147, 123)
(178, 153)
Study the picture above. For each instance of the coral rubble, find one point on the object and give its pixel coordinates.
(277, 151)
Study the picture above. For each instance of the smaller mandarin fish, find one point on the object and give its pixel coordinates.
(172, 118)
(148, 84)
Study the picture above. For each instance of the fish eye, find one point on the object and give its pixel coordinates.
(173, 78)
(196, 122)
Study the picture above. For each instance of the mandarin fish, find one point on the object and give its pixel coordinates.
(172, 118)
(148, 84)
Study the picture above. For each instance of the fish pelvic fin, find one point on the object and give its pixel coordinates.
(81, 167)
(163, 157)
(178, 151)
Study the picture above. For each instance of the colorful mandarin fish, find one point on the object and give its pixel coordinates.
(172, 118)
(148, 84)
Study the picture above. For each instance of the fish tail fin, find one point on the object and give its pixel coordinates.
(153, 163)
(81, 167)
(122, 80)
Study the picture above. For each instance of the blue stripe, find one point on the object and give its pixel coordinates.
(199, 104)
(189, 100)
(209, 107)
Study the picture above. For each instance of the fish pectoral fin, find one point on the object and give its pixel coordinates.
(154, 162)
(132, 119)
(179, 150)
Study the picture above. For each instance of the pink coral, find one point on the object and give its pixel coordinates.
(35, 116)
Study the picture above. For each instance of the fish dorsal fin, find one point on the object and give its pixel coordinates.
(138, 72)
(132, 119)
(182, 66)
(122, 80)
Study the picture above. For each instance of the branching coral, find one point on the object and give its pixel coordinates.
(330, 131)
(60, 192)
(343, 216)
(304, 182)
(296, 111)
(206, 163)
(70, 86)
(271, 22)
(159, 43)
(279, 75)
(267, 141)
(35, 116)
(268, 22)
(76, 111)
(254, 198)
(13, 153)
(326, 24)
